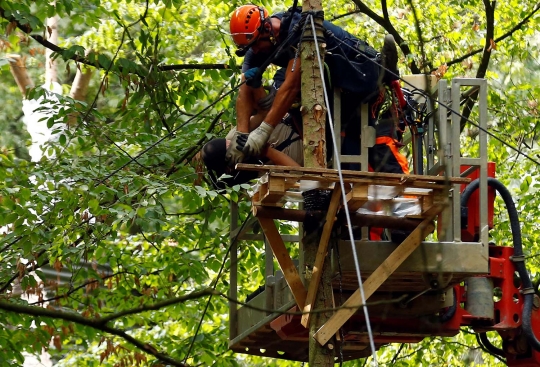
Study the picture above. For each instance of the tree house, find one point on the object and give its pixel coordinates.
(409, 286)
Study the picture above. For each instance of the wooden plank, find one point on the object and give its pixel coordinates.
(416, 192)
(260, 193)
(357, 197)
(321, 253)
(378, 277)
(290, 273)
(321, 171)
(276, 189)
(371, 181)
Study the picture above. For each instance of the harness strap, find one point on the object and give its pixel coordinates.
(285, 143)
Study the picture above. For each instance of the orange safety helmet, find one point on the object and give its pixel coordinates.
(246, 24)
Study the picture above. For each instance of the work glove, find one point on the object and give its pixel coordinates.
(253, 77)
(234, 152)
(265, 103)
(257, 140)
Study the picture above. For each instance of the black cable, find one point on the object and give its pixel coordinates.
(233, 242)
(490, 348)
(294, 5)
(442, 104)
(397, 354)
(518, 258)
(451, 310)
(169, 134)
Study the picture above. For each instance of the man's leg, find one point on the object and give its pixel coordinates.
(384, 156)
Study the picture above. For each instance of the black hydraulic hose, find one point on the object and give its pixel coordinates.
(518, 258)
(451, 310)
(484, 341)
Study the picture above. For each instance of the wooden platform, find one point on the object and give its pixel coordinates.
(278, 181)
(415, 269)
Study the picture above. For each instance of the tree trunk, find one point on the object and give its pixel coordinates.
(20, 74)
(51, 69)
(314, 120)
(79, 89)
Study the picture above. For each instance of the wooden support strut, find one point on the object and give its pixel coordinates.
(290, 273)
(357, 197)
(321, 253)
(374, 281)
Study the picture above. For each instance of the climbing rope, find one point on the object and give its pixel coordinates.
(344, 198)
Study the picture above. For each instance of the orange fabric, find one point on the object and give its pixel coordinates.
(391, 143)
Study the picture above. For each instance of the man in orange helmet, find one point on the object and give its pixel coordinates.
(273, 39)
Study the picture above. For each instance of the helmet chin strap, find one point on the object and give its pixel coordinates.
(273, 37)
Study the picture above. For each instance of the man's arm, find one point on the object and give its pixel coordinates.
(285, 95)
(246, 103)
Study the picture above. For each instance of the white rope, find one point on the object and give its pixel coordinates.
(343, 195)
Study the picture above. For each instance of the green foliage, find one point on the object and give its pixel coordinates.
(118, 202)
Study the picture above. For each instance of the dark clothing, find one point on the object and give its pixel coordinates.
(285, 138)
(347, 57)
(213, 155)
(354, 68)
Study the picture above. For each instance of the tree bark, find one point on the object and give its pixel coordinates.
(79, 88)
(20, 74)
(314, 120)
(51, 70)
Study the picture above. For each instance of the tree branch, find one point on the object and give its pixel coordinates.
(387, 25)
(514, 29)
(484, 62)
(190, 151)
(346, 14)
(158, 305)
(83, 60)
(101, 324)
(73, 290)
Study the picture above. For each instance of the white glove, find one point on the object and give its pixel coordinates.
(234, 151)
(257, 140)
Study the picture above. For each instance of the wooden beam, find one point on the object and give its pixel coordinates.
(276, 188)
(378, 277)
(383, 221)
(321, 253)
(357, 197)
(328, 179)
(404, 179)
(290, 273)
(278, 213)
